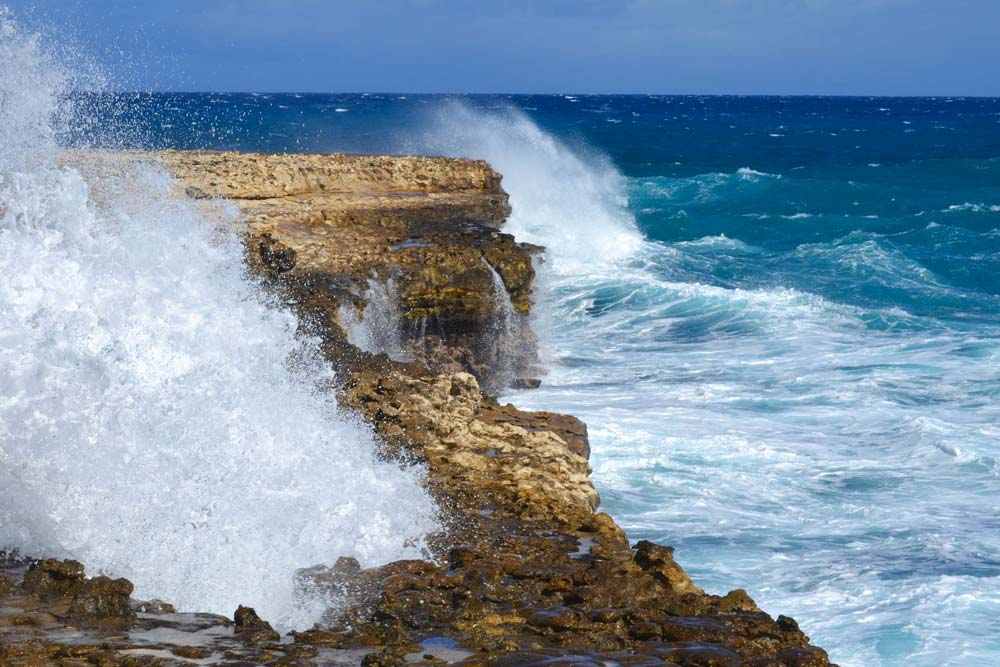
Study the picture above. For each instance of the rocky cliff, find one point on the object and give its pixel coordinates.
(345, 226)
(528, 571)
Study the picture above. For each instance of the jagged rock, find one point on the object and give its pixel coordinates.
(660, 561)
(53, 578)
(102, 601)
(251, 627)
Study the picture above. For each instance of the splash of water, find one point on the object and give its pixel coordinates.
(159, 420)
(379, 328)
(504, 335)
(570, 200)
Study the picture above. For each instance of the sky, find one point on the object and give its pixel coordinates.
(833, 47)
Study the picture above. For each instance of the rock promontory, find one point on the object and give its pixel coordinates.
(528, 571)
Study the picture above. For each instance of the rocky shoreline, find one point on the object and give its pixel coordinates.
(405, 256)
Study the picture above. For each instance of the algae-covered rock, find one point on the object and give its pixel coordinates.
(102, 601)
(53, 578)
(660, 562)
(251, 627)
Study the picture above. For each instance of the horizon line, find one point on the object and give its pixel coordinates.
(547, 94)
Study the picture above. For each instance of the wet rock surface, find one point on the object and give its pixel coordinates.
(527, 572)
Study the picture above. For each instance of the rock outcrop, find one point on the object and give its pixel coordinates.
(342, 223)
(528, 571)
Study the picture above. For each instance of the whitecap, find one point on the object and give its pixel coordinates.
(751, 174)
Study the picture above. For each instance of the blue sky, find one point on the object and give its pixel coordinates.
(865, 47)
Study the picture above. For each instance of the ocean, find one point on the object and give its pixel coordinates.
(779, 316)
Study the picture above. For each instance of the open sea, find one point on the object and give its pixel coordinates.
(780, 318)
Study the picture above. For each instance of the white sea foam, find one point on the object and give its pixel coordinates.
(749, 174)
(720, 241)
(973, 208)
(158, 419)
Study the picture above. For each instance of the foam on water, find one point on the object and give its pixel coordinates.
(159, 420)
(837, 458)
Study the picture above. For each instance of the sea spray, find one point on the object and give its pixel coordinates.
(573, 201)
(503, 336)
(379, 327)
(796, 384)
(159, 420)
(569, 199)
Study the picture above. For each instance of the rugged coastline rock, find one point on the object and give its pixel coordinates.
(528, 572)
(425, 229)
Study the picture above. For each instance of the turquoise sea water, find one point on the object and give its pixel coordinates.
(780, 318)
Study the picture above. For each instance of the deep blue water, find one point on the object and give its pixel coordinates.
(779, 316)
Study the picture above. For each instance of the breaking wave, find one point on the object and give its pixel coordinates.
(789, 378)
(159, 419)
(572, 202)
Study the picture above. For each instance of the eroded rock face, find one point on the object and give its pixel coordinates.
(339, 221)
(529, 573)
(519, 468)
(328, 225)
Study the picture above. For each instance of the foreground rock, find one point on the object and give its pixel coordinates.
(528, 572)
